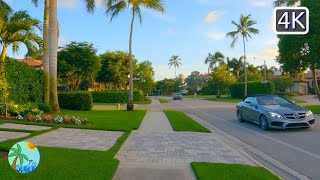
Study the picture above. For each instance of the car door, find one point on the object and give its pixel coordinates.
(246, 110)
(253, 110)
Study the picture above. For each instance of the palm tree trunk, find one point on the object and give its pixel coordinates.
(14, 163)
(245, 70)
(46, 94)
(315, 81)
(2, 58)
(53, 45)
(175, 72)
(130, 100)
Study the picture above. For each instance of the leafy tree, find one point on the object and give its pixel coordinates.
(244, 29)
(165, 86)
(175, 62)
(278, 3)
(253, 74)
(146, 75)
(213, 59)
(222, 78)
(195, 81)
(282, 84)
(17, 28)
(114, 7)
(236, 65)
(77, 62)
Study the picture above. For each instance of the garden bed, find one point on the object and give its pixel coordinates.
(3, 154)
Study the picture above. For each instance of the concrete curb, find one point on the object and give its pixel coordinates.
(245, 149)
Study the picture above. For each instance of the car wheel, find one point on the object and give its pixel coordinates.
(239, 115)
(264, 123)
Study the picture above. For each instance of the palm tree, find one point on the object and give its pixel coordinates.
(213, 59)
(4, 4)
(114, 8)
(244, 29)
(17, 153)
(279, 3)
(90, 8)
(236, 65)
(17, 28)
(175, 62)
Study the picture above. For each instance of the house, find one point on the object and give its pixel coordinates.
(301, 86)
(309, 76)
(31, 62)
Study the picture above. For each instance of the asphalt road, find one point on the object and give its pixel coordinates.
(299, 149)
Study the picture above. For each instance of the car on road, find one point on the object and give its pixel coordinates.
(274, 112)
(177, 96)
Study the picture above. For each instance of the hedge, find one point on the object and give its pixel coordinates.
(254, 87)
(76, 100)
(115, 96)
(25, 82)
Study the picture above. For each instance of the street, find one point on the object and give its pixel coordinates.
(298, 149)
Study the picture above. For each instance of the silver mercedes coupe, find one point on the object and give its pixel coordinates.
(274, 112)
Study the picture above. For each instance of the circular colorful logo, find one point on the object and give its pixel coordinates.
(24, 157)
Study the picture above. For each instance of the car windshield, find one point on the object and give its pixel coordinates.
(272, 100)
(177, 94)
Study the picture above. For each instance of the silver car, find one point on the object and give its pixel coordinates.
(177, 96)
(274, 112)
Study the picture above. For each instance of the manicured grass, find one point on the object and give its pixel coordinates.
(214, 98)
(295, 100)
(208, 171)
(163, 100)
(115, 104)
(181, 122)
(314, 108)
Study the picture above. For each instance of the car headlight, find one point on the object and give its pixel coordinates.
(309, 113)
(275, 115)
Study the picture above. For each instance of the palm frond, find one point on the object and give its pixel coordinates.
(156, 5)
(35, 2)
(115, 9)
(90, 5)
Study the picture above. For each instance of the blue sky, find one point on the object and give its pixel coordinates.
(189, 28)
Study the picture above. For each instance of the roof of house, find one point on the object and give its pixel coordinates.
(310, 76)
(31, 62)
(301, 80)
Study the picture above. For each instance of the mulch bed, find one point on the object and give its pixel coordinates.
(3, 154)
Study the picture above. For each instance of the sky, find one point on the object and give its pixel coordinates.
(189, 28)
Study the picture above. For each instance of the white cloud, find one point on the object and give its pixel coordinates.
(271, 42)
(269, 53)
(261, 3)
(213, 16)
(100, 3)
(216, 35)
(171, 31)
(63, 41)
(68, 4)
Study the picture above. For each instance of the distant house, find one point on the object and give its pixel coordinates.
(300, 86)
(309, 76)
(31, 62)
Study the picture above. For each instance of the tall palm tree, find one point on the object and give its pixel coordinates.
(279, 3)
(114, 8)
(4, 4)
(244, 29)
(175, 62)
(17, 153)
(17, 28)
(90, 8)
(213, 59)
(236, 65)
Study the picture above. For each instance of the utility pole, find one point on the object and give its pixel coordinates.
(265, 71)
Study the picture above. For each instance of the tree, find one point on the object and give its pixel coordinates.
(253, 74)
(17, 153)
(282, 84)
(114, 7)
(222, 78)
(236, 65)
(4, 4)
(278, 3)
(195, 81)
(244, 29)
(146, 75)
(77, 62)
(17, 28)
(175, 62)
(213, 59)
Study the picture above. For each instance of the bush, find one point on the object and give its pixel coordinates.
(76, 100)
(282, 84)
(254, 87)
(115, 96)
(25, 82)
(44, 108)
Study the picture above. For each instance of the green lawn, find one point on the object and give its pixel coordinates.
(61, 163)
(214, 98)
(209, 171)
(115, 104)
(181, 122)
(163, 100)
(314, 108)
(295, 100)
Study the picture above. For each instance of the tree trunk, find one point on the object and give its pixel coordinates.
(14, 163)
(245, 70)
(2, 58)
(315, 81)
(52, 46)
(175, 72)
(130, 105)
(46, 94)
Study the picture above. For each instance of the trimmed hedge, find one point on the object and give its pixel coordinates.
(254, 87)
(76, 100)
(115, 96)
(25, 82)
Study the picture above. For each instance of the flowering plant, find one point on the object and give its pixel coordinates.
(38, 118)
(58, 119)
(19, 117)
(47, 118)
(66, 119)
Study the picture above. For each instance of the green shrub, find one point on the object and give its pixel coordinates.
(76, 100)
(254, 87)
(44, 108)
(25, 82)
(115, 96)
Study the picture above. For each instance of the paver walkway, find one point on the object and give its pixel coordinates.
(5, 135)
(155, 151)
(310, 99)
(77, 138)
(24, 127)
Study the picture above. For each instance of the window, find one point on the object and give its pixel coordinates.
(251, 100)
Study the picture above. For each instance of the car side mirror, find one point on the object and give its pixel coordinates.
(293, 102)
